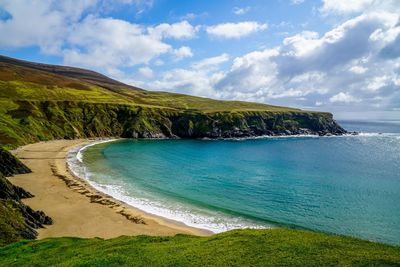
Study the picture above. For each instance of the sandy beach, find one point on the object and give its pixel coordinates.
(78, 209)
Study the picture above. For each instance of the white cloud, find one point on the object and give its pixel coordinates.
(211, 62)
(235, 30)
(183, 52)
(358, 69)
(107, 43)
(180, 30)
(343, 98)
(303, 43)
(345, 6)
(200, 79)
(241, 11)
(348, 7)
(184, 81)
(47, 23)
(377, 83)
(297, 2)
(192, 16)
(77, 31)
(146, 72)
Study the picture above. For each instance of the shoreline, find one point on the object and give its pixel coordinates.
(77, 208)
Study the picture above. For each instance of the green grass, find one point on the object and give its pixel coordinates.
(11, 223)
(21, 83)
(276, 247)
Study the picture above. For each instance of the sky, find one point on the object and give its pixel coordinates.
(341, 56)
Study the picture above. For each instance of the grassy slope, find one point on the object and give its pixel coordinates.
(276, 247)
(23, 83)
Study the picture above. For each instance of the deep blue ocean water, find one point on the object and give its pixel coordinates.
(347, 185)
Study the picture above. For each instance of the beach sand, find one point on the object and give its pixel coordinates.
(76, 208)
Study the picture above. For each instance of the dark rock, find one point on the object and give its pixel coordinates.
(10, 191)
(35, 219)
(22, 193)
(10, 165)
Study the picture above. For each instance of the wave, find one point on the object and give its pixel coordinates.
(79, 155)
(378, 134)
(360, 134)
(209, 220)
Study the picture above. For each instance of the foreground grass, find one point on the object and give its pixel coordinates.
(276, 247)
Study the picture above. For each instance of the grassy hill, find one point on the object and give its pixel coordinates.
(22, 80)
(276, 247)
(43, 102)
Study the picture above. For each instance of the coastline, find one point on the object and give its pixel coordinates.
(76, 207)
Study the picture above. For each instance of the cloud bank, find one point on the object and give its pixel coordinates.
(354, 66)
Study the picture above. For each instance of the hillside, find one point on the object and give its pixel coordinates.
(60, 83)
(43, 102)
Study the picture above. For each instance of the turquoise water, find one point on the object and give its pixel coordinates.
(347, 185)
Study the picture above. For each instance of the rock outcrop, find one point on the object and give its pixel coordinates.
(10, 165)
(18, 221)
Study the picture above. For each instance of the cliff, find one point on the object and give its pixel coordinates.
(33, 121)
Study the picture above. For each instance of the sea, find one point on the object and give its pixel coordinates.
(346, 185)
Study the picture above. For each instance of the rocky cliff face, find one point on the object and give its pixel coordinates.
(17, 219)
(45, 120)
(248, 124)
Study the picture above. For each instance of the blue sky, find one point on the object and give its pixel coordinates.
(338, 56)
